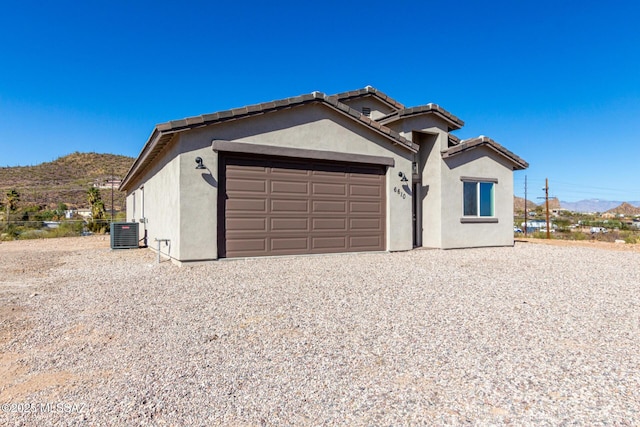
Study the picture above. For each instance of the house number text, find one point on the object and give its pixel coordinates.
(399, 192)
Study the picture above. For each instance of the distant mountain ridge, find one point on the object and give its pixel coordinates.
(596, 205)
(66, 180)
(584, 206)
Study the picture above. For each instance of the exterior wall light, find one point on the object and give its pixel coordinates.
(199, 163)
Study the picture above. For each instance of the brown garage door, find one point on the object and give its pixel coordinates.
(273, 206)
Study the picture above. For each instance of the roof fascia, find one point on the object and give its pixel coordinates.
(454, 121)
(483, 141)
(369, 91)
(156, 140)
(142, 157)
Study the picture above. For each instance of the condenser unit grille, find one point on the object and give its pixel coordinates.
(124, 235)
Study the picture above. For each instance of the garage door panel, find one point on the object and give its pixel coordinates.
(289, 224)
(366, 224)
(290, 206)
(290, 244)
(289, 168)
(365, 190)
(289, 187)
(328, 206)
(365, 243)
(361, 207)
(329, 243)
(247, 185)
(246, 224)
(329, 224)
(328, 189)
(334, 173)
(274, 206)
(247, 205)
(246, 247)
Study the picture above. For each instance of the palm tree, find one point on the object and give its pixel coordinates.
(13, 197)
(97, 207)
(93, 196)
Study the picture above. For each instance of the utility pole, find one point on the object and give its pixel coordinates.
(526, 208)
(546, 197)
(111, 195)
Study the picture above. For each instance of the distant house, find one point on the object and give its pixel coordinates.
(85, 213)
(109, 183)
(559, 211)
(357, 171)
(537, 225)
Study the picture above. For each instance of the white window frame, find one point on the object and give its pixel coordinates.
(478, 217)
(133, 210)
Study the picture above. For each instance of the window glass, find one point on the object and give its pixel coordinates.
(486, 199)
(470, 198)
(478, 198)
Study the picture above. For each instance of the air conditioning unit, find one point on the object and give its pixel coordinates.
(124, 235)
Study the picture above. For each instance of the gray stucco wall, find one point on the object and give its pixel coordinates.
(315, 127)
(430, 167)
(378, 108)
(421, 122)
(480, 163)
(161, 199)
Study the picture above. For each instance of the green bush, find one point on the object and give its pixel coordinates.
(67, 229)
(9, 232)
(632, 239)
(32, 234)
(540, 235)
(577, 235)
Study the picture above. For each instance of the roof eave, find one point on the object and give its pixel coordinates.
(453, 121)
(370, 91)
(142, 156)
(483, 141)
(156, 141)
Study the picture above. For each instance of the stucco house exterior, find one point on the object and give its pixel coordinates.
(357, 171)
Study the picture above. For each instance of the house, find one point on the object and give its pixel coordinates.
(535, 225)
(84, 213)
(352, 172)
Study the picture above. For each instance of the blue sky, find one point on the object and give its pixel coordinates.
(557, 83)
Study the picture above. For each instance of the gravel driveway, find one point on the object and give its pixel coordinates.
(529, 335)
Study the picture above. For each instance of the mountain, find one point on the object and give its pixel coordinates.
(554, 203)
(625, 209)
(518, 204)
(594, 205)
(67, 179)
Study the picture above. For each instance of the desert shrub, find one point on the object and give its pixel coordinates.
(67, 229)
(632, 239)
(32, 234)
(579, 235)
(10, 232)
(540, 235)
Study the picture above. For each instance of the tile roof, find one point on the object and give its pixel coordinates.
(163, 133)
(267, 107)
(369, 91)
(423, 109)
(483, 141)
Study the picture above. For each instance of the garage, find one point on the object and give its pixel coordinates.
(281, 206)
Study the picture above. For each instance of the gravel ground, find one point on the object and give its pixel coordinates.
(529, 335)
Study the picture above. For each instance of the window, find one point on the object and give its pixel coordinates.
(478, 198)
(366, 111)
(133, 208)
